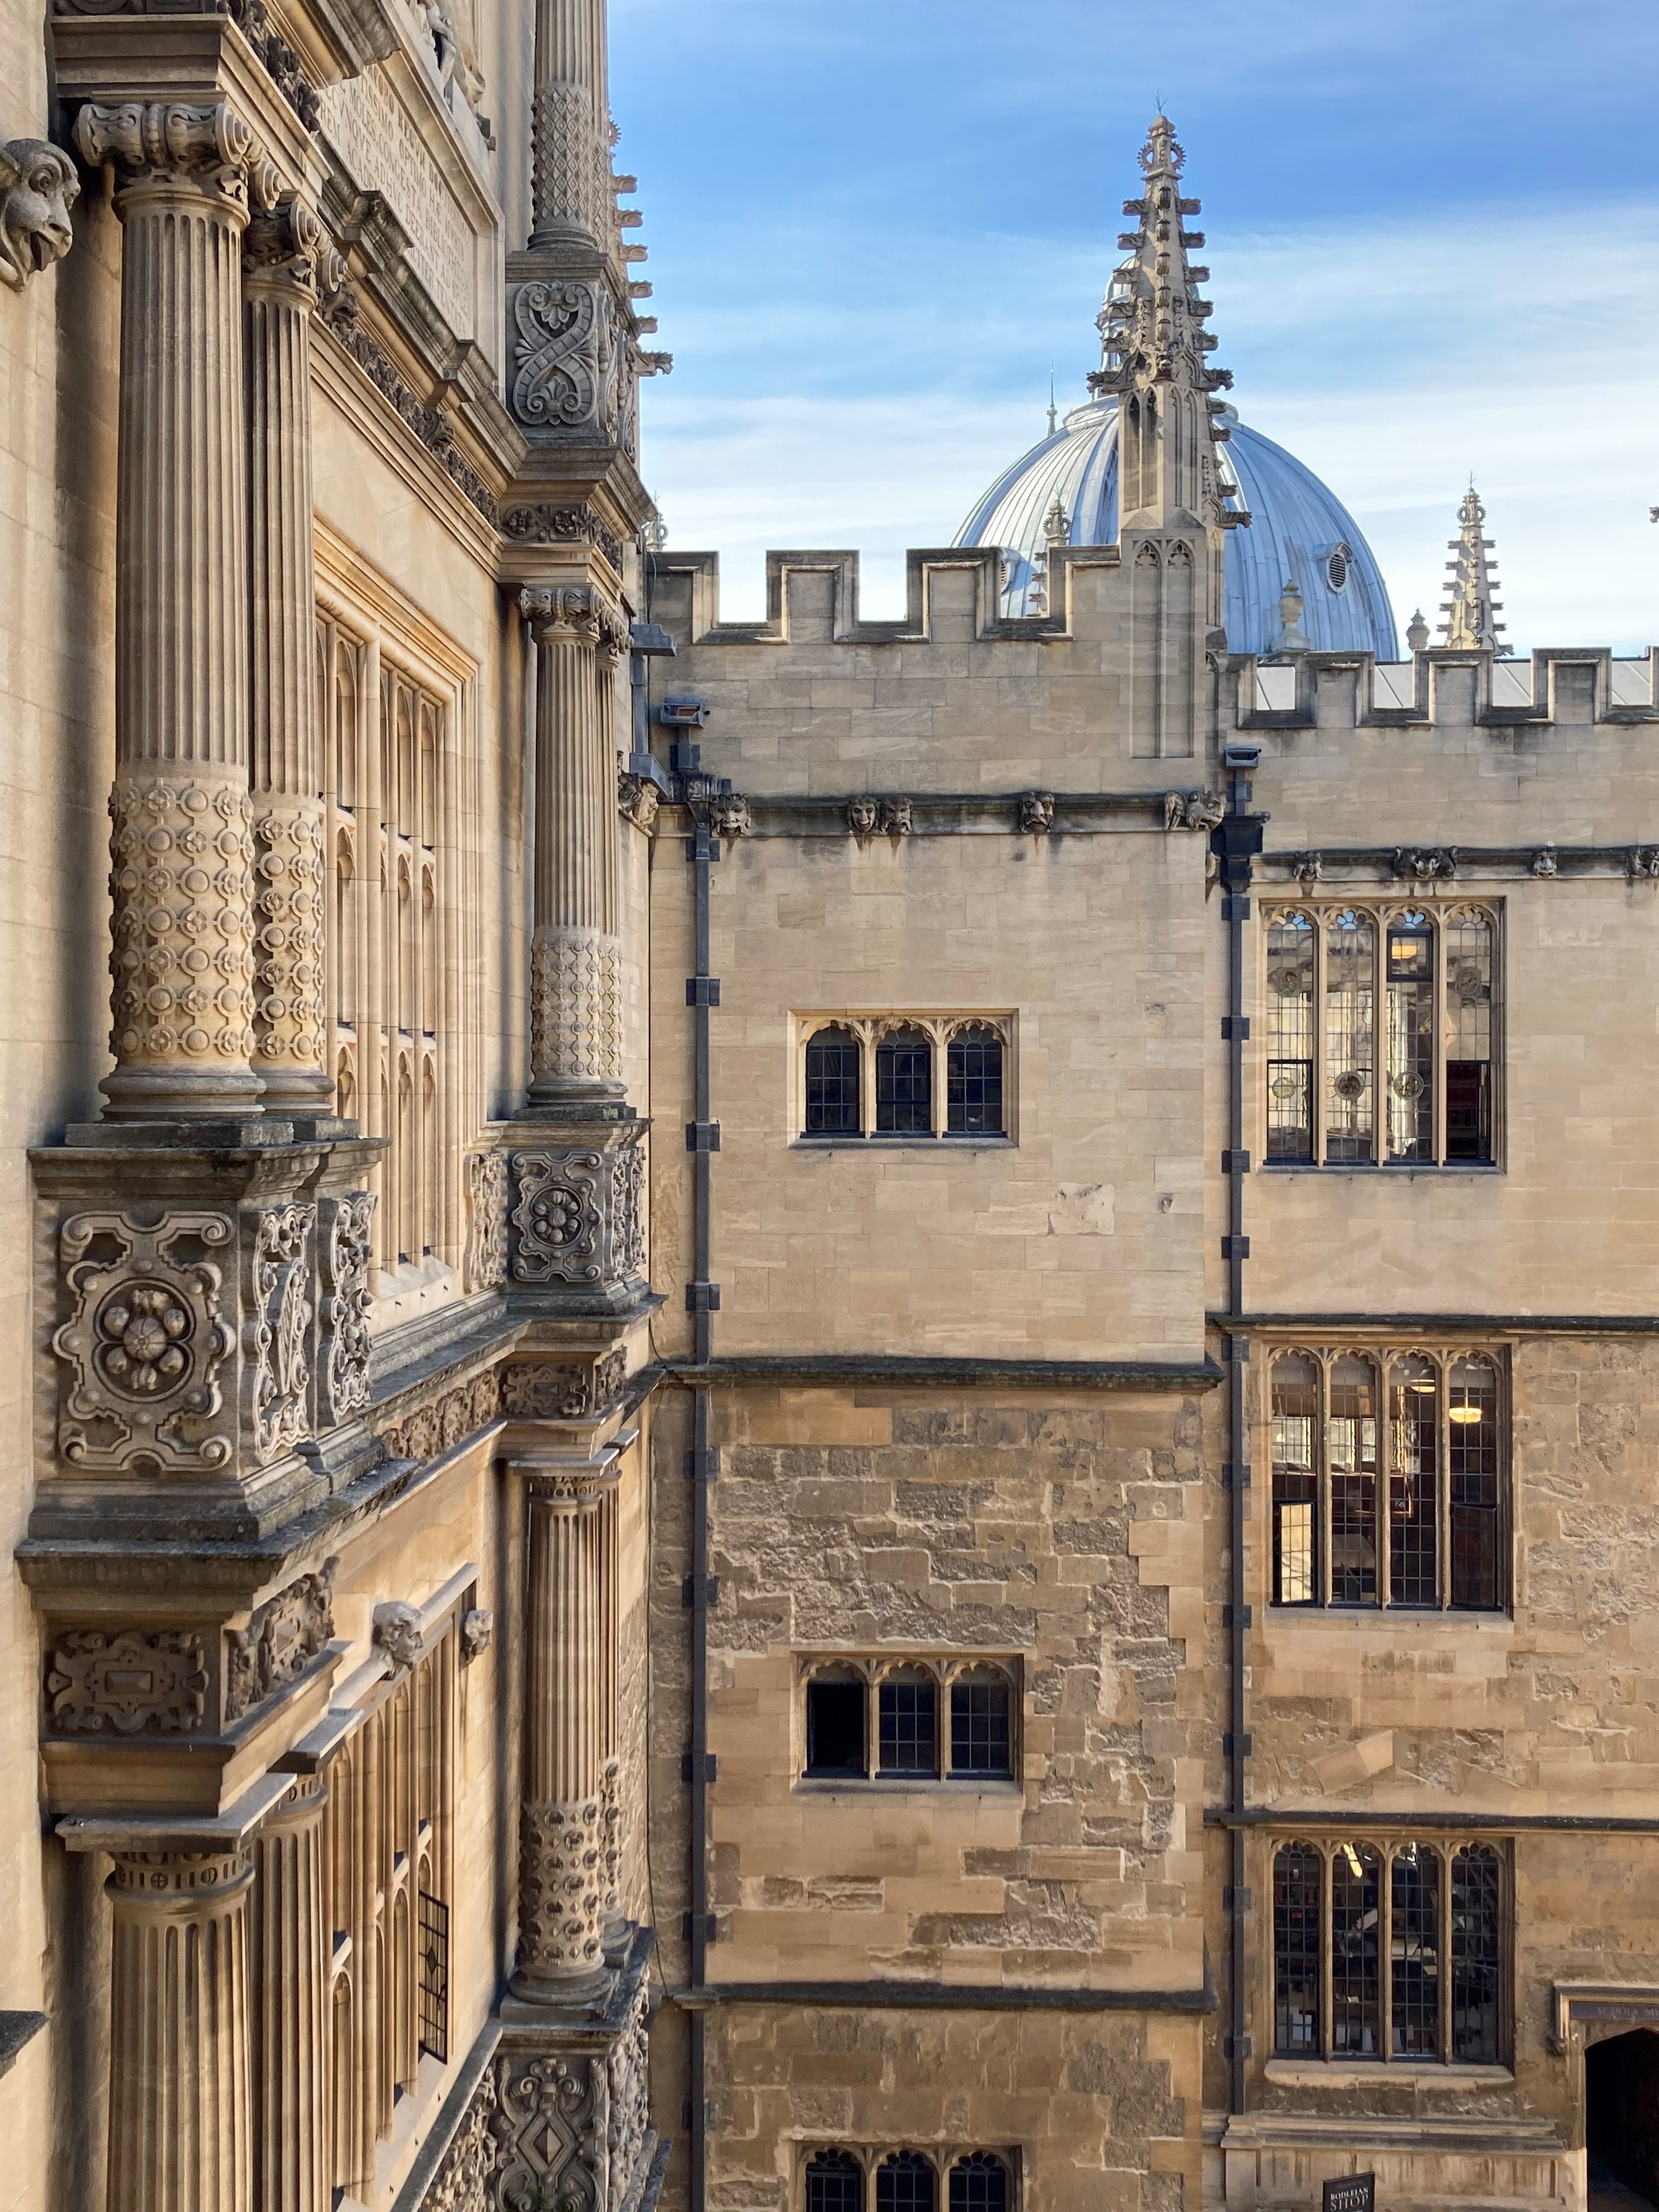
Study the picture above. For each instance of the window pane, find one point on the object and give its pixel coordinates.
(979, 2183)
(1350, 1041)
(1413, 1505)
(1297, 1880)
(979, 1726)
(1289, 1038)
(1475, 1965)
(904, 1085)
(1296, 1484)
(1411, 1038)
(908, 1720)
(832, 1085)
(1350, 1448)
(834, 2183)
(1415, 1942)
(1472, 1392)
(835, 1727)
(973, 1105)
(904, 2183)
(1356, 1939)
(1469, 1039)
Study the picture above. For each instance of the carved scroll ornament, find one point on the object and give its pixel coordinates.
(280, 1329)
(280, 1642)
(133, 1682)
(38, 188)
(346, 1254)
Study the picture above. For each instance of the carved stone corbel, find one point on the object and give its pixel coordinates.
(38, 188)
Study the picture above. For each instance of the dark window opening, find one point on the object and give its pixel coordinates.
(1472, 1427)
(835, 1727)
(833, 1106)
(905, 2183)
(979, 2183)
(908, 1726)
(1468, 1109)
(1297, 1912)
(979, 1727)
(835, 2183)
(1356, 1951)
(433, 1993)
(904, 1085)
(974, 1084)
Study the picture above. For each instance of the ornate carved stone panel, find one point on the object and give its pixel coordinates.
(462, 2181)
(629, 2135)
(150, 1327)
(549, 2126)
(562, 1390)
(133, 1682)
(577, 1217)
(573, 362)
(425, 1430)
(486, 1210)
(345, 1253)
(278, 1333)
(282, 1639)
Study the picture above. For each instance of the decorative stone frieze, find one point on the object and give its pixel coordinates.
(431, 425)
(38, 188)
(345, 1239)
(486, 1216)
(251, 18)
(280, 1642)
(560, 1389)
(542, 524)
(151, 1325)
(577, 1216)
(281, 1333)
(447, 1420)
(128, 1682)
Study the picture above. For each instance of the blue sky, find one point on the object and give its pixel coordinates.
(1433, 235)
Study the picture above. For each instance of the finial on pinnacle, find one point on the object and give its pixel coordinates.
(1162, 154)
(1291, 638)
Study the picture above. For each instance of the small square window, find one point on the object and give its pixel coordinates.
(979, 1726)
(835, 1727)
(908, 1721)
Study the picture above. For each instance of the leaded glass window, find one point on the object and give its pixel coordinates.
(1356, 1951)
(1469, 1038)
(908, 1724)
(904, 1085)
(1298, 1892)
(1414, 1952)
(979, 2183)
(979, 1731)
(834, 1083)
(1350, 1449)
(1295, 1483)
(974, 1082)
(1350, 1039)
(906, 2181)
(1476, 1955)
(835, 2183)
(1413, 1488)
(835, 1725)
(1411, 1038)
(1475, 1500)
(1289, 1038)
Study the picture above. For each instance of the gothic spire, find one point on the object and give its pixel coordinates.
(1471, 609)
(1154, 352)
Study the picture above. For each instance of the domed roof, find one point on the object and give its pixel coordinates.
(1298, 530)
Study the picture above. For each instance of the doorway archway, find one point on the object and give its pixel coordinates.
(1621, 2116)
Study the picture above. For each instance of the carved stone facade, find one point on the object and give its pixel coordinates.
(280, 1641)
(133, 1682)
(577, 1217)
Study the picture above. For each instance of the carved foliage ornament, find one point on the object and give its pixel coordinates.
(279, 1330)
(486, 1235)
(145, 1341)
(571, 358)
(38, 188)
(280, 1642)
(431, 425)
(557, 1389)
(135, 1682)
(447, 1420)
(347, 1252)
(629, 2137)
(156, 141)
(543, 525)
(463, 2176)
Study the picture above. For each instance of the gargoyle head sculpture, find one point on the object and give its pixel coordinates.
(38, 185)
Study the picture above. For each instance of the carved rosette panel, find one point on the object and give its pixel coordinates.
(280, 1642)
(574, 370)
(183, 957)
(345, 1254)
(561, 1889)
(572, 190)
(145, 1343)
(278, 1334)
(575, 1005)
(486, 1217)
(577, 1214)
(288, 932)
(551, 2127)
(132, 1682)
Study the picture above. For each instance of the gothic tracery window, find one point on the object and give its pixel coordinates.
(905, 1078)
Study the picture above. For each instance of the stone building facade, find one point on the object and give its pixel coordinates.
(844, 1416)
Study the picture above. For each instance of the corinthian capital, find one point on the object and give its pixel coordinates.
(167, 141)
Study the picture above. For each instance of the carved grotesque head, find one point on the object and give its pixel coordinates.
(38, 185)
(1037, 812)
(862, 817)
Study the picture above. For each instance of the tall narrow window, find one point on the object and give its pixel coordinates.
(908, 1724)
(834, 1083)
(1350, 1448)
(1413, 1488)
(1476, 1956)
(1289, 1038)
(1410, 985)
(1296, 1482)
(1469, 1038)
(906, 2181)
(1298, 1912)
(834, 1726)
(904, 1085)
(1471, 1390)
(1350, 1039)
(1414, 1991)
(979, 2183)
(835, 2183)
(974, 1081)
(980, 1730)
(1356, 1951)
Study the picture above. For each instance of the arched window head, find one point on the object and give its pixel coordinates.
(904, 1085)
(979, 2183)
(906, 2181)
(974, 1082)
(835, 1084)
(835, 2182)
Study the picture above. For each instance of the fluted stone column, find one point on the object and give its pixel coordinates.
(571, 122)
(561, 1839)
(291, 2006)
(575, 961)
(179, 2113)
(182, 964)
(281, 252)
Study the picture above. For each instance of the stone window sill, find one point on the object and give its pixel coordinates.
(954, 1140)
(1416, 1618)
(919, 1785)
(1358, 2073)
(1392, 1171)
